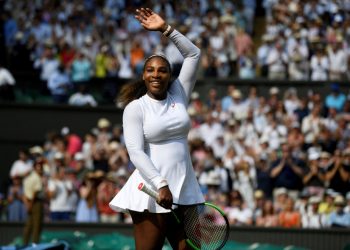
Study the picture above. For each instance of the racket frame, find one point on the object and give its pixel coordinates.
(142, 187)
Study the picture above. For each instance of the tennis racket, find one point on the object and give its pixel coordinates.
(206, 226)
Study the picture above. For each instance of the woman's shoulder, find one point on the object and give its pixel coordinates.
(133, 107)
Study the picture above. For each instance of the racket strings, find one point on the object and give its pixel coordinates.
(205, 227)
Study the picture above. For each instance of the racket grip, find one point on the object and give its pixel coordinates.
(148, 191)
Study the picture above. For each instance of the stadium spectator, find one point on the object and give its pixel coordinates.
(211, 129)
(268, 217)
(59, 85)
(338, 174)
(16, 210)
(81, 69)
(106, 190)
(336, 98)
(263, 179)
(247, 65)
(319, 65)
(7, 83)
(311, 218)
(47, 64)
(338, 60)
(34, 195)
(277, 60)
(87, 205)
(103, 132)
(238, 213)
(23, 165)
(58, 191)
(339, 218)
(314, 178)
(82, 97)
(226, 100)
(289, 217)
(72, 141)
(287, 171)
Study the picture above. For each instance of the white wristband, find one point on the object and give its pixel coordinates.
(166, 32)
(161, 184)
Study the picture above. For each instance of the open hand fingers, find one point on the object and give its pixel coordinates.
(140, 15)
(148, 11)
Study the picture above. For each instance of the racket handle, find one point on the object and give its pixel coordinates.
(148, 191)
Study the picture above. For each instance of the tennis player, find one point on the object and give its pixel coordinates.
(156, 124)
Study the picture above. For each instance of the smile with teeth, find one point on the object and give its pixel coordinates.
(156, 83)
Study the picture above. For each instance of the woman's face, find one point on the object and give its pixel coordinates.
(157, 76)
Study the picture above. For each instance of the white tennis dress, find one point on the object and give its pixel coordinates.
(155, 134)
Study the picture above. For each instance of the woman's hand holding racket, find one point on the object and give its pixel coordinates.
(205, 225)
(165, 198)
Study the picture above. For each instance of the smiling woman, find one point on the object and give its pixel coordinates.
(156, 75)
(156, 125)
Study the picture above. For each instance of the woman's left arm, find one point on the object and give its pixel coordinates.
(192, 55)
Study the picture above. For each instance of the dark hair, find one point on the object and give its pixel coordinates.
(130, 92)
(134, 90)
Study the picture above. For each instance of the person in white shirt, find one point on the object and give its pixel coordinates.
(7, 81)
(59, 190)
(210, 130)
(277, 60)
(311, 218)
(338, 61)
(47, 64)
(23, 165)
(319, 65)
(82, 98)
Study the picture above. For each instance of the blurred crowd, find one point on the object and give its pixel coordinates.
(273, 161)
(73, 43)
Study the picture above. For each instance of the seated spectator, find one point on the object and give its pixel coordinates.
(7, 81)
(336, 98)
(339, 218)
(289, 217)
(259, 201)
(82, 98)
(312, 219)
(268, 217)
(239, 213)
(327, 204)
(280, 196)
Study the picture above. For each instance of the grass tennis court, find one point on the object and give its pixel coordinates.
(76, 240)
